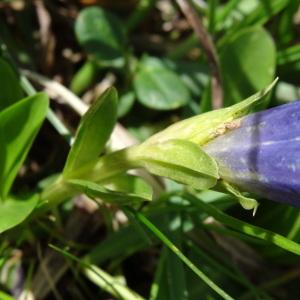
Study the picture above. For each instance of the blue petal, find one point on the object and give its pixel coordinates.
(262, 156)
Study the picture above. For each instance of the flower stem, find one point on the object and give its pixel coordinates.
(99, 171)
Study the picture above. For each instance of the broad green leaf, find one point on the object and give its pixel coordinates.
(94, 190)
(158, 87)
(93, 132)
(13, 211)
(180, 160)
(9, 85)
(19, 124)
(248, 64)
(202, 128)
(101, 34)
(246, 228)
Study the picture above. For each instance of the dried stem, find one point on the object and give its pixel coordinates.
(208, 46)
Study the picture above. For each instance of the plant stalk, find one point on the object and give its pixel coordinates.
(98, 171)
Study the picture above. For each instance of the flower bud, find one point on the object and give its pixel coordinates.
(262, 155)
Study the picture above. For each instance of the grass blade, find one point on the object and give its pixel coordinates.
(246, 228)
(140, 217)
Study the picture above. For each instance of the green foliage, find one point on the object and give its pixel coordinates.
(158, 87)
(180, 255)
(84, 77)
(190, 242)
(130, 190)
(126, 102)
(9, 85)
(204, 127)
(246, 202)
(248, 229)
(179, 160)
(19, 124)
(102, 279)
(92, 134)
(102, 35)
(13, 211)
(248, 63)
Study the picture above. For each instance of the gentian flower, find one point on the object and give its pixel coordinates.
(262, 155)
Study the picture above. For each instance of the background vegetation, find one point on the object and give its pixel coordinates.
(169, 60)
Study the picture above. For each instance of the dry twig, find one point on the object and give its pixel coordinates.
(208, 46)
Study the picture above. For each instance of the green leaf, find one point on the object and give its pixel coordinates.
(19, 124)
(158, 87)
(248, 64)
(125, 103)
(102, 35)
(94, 130)
(14, 211)
(94, 190)
(84, 77)
(180, 160)
(9, 85)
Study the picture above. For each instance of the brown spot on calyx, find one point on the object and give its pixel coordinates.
(224, 127)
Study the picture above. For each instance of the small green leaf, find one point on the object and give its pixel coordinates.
(125, 103)
(9, 85)
(102, 35)
(94, 190)
(14, 211)
(93, 132)
(180, 160)
(84, 77)
(19, 124)
(246, 202)
(158, 87)
(248, 64)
